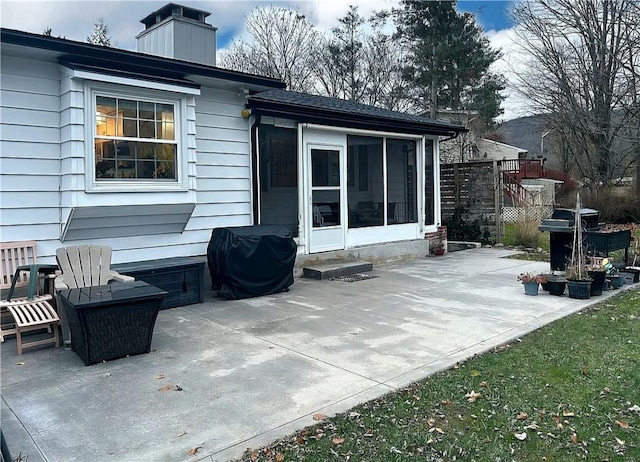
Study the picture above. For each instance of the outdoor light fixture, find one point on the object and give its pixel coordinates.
(245, 113)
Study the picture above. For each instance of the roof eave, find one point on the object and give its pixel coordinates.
(336, 118)
(73, 48)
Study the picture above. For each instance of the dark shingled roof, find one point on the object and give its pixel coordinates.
(304, 107)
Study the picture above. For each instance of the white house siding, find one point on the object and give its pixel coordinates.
(30, 151)
(44, 154)
(224, 168)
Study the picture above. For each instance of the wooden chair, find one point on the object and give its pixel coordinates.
(84, 266)
(19, 268)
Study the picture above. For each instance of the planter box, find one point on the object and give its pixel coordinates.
(181, 277)
(608, 242)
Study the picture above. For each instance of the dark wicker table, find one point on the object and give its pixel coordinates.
(111, 321)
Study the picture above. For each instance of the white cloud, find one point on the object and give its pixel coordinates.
(510, 64)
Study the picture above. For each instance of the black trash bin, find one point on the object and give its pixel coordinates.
(251, 261)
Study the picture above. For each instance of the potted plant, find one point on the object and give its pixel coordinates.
(556, 284)
(578, 280)
(531, 281)
(613, 276)
(438, 249)
(598, 275)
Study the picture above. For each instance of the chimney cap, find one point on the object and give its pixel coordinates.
(173, 9)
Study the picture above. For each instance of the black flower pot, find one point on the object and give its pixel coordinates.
(556, 287)
(597, 281)
(579, 289)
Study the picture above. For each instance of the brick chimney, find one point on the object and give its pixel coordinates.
(176, 31)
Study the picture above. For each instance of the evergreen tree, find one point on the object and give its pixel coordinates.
(449, 58)
(100, 34)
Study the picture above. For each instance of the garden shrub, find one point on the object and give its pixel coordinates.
(614, 204)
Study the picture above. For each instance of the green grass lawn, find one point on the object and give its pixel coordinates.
(568, 391)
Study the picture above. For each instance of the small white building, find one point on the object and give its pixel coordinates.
(149, 151)
(494, 150)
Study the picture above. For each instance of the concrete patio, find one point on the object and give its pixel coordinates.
(253, 370)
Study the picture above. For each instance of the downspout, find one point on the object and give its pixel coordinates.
(255, 157)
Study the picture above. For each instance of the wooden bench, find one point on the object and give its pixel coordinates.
(181, 277)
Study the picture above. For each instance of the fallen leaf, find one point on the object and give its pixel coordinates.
(319, 416)
(430, 440)
(619, 441)
(160, 376)
(522, 416)
(254, 455)
(635, 408)
(574, 438)
(430, 421)
(532, 426)
(279, 457)
(472, 396)
(193, 451)
(440, 430)
(622, 424)
(585, 371)
(567, 413)
(337, 440)
(300, 440)
(446, 402)
(521, 436)
(354, 414)
(475, 373)
(369, 432)
(484, 384)
(20, 363)
(165, 388)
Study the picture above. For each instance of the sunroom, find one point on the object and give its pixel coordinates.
(340, 174)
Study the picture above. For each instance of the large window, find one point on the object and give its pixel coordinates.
(278, 163)
(365, 182)
(402, 180)
(135, 140)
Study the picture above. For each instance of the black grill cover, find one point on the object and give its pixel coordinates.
(250, 261)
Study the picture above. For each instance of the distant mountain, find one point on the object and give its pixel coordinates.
(526, 133)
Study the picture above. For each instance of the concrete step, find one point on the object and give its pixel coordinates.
(334, 270)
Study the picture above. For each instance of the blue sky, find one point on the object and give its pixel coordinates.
(492, 15)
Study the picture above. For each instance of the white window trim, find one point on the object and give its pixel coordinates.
(92, 185)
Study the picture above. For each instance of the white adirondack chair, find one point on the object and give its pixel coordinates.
(84, 266)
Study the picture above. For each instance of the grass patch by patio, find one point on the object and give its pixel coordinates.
(568, 391)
